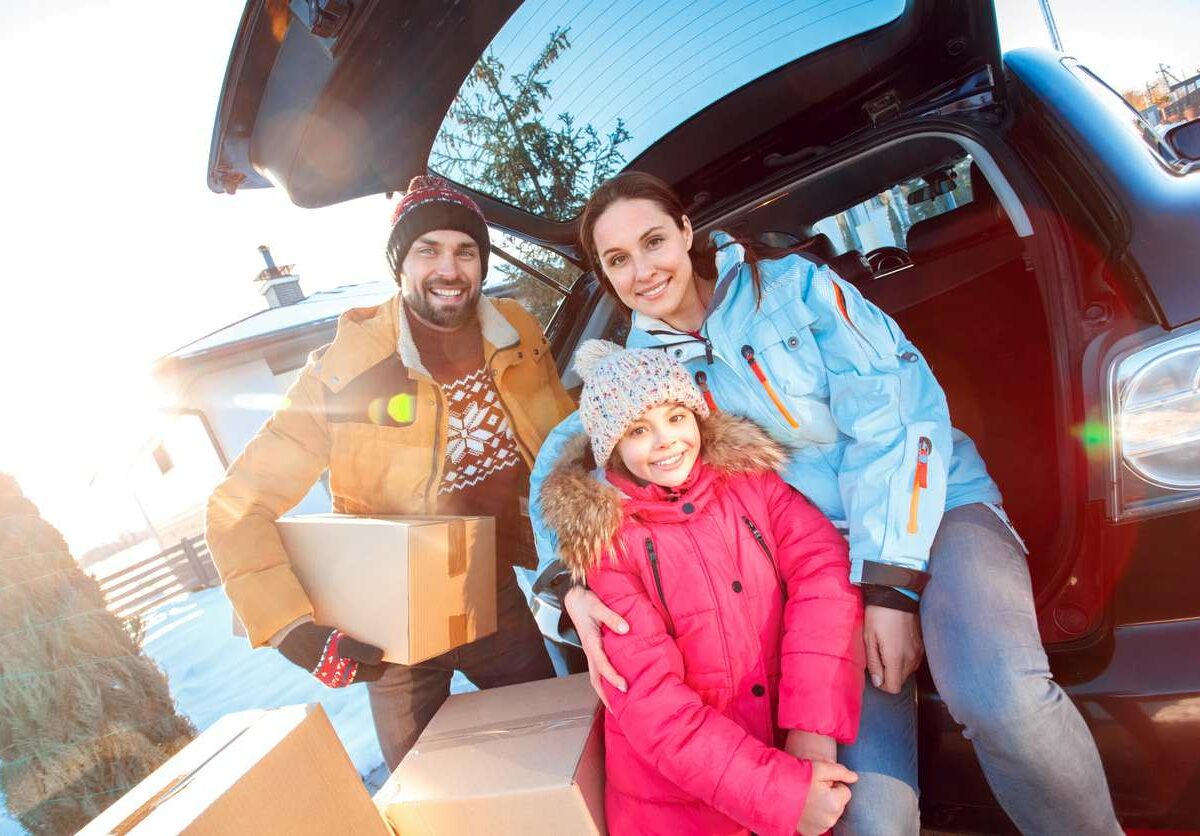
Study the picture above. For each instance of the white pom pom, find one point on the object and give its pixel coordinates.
(590, 354)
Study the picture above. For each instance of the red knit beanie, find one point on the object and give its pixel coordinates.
(433, 203)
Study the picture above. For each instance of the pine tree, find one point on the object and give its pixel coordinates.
(84, 714)
(498, 139)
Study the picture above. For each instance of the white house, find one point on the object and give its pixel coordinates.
(223, 386)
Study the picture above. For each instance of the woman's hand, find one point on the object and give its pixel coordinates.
(810, 746)
(588, 612)
(828, 796)
(894, 646)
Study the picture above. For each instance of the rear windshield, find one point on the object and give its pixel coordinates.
(568, 92)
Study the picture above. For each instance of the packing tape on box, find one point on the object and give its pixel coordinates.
(567, 719)
(458, 629)
(456, 548)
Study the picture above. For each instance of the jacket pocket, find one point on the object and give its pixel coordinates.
(656, 574)
(762, 547)
(786, 349)
(381, 468)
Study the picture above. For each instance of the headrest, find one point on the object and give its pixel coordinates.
(820, 246)
(852, 267)
(982, 216)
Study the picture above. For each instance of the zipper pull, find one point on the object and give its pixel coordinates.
(702, 382)
(924, 448)
(708, 351)
(920, 482)
(748, 354)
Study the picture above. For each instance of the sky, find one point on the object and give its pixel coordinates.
(115, 252)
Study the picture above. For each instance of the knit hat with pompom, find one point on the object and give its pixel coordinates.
(622, 384)
(432, 203)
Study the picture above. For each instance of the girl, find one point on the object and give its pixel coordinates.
(736, 594)
(785, 342)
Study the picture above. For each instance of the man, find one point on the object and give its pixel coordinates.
(435, 402)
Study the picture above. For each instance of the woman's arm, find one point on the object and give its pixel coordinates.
(700, 750)
(822, 654)
(586, 611)
(884, 397)
(544, 537)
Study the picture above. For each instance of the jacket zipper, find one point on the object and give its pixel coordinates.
(653, 556)
(512, 425)
(748, 353)
(762, 544)
(840, 297)
(439, 455)
(920, 482)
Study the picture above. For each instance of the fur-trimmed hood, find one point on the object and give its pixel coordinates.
(586, 512)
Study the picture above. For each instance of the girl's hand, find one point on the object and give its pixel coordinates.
(828, 796)
(894, 646)
(588, 612)
(810, 746)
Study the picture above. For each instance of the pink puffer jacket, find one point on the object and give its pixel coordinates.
(742, 625)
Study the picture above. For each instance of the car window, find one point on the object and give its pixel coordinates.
(518, 269)
(568, 92)
(885, 219)
(608, 321)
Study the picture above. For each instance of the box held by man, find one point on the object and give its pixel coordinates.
(415, 586)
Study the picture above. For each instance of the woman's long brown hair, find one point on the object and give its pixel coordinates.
(638, 185)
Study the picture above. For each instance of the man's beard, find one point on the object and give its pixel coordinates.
(442, 316)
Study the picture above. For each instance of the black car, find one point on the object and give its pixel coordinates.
(1019, 220)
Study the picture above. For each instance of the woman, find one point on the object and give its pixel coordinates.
(786, 343)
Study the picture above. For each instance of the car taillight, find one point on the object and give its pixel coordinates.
(1154, 414)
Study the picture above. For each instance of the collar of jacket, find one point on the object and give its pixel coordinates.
(365, 336)
(586, 510)
(655, 504)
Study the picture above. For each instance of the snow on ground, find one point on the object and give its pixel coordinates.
(213, 672)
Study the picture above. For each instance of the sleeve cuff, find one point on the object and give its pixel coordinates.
(898, 577)
(893, 599)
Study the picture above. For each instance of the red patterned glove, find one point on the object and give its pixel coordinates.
(334, 658)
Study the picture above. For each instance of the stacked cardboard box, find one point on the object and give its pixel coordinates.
(277, 771)
(527, 759)
(414, 586)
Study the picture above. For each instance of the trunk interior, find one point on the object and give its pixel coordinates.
(987, 341)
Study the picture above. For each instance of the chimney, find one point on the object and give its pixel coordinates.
(279, 284)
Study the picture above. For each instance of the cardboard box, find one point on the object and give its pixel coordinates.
(527, 759)
(414, 586)
(277, 771)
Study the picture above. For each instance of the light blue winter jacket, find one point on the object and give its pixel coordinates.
(855, 402)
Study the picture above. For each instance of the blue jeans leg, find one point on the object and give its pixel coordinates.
(987, 660)
(884, 802)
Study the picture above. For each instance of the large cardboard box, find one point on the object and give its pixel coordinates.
(527, 759)
(414, 586)
(277, 771)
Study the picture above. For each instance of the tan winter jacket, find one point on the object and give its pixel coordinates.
(365, 408)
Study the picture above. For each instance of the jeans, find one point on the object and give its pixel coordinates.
(406, 697)
(988, 663)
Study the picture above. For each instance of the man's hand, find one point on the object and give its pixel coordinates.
(810, 746)
(828, 796)
(894, 647)
(588, 612)
(331, 656)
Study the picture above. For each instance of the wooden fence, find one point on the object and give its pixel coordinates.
(134, 589)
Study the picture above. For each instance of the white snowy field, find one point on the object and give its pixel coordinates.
(212, 672)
